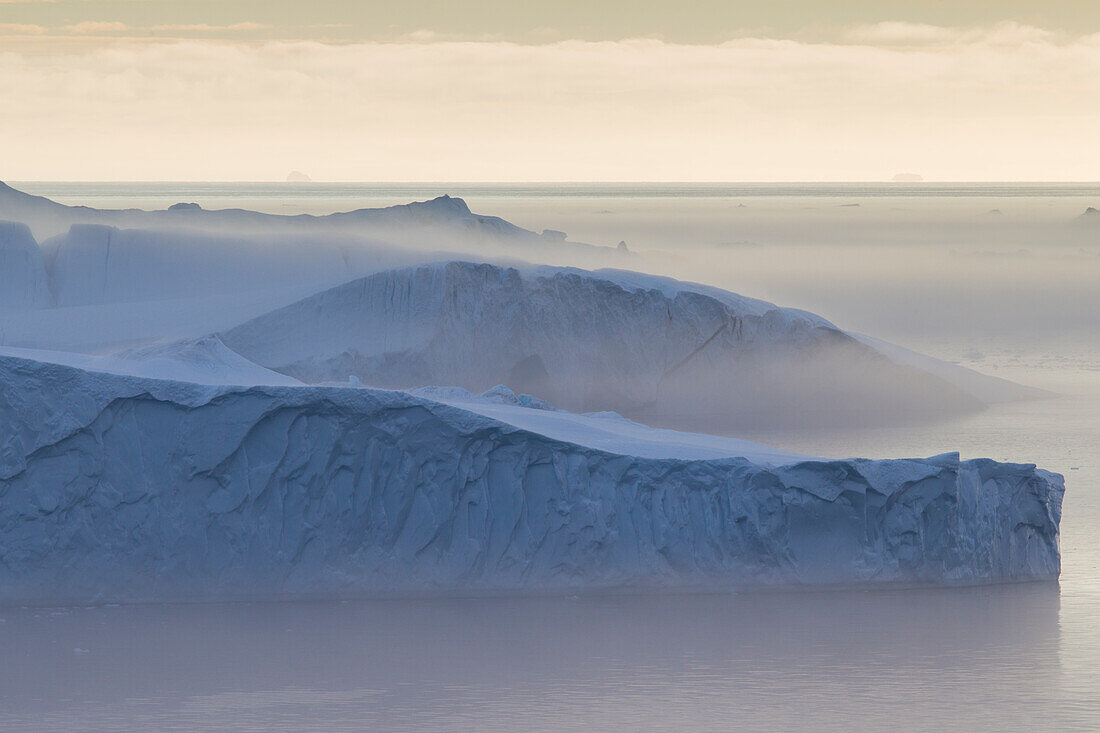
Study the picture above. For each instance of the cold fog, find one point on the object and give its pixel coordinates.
(956, 272)
(912, 264)
(918, 264)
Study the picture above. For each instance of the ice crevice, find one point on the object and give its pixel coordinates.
(697, 350)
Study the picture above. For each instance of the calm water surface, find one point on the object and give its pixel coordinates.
(1015, 657)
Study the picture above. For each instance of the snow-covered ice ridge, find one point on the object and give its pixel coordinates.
(443, 214)
(128, 488)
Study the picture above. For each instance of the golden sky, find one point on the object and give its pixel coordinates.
(788, 90)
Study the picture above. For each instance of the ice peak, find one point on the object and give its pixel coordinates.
(500, 394)
(444, 204)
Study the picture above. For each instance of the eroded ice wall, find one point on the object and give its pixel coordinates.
(115, 487)
(23, 281)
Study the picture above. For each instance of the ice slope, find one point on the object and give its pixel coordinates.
(125, 488)
(990, 390)
(23, 281)
(198, 361)
(654, 349)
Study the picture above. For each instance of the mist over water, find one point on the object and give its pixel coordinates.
(977, 264)
(769, 661)
(1001, 278)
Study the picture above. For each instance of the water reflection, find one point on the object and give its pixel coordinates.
(985, 656)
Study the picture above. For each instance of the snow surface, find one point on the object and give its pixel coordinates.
(127, 488)
(606, 431)
(198, 361)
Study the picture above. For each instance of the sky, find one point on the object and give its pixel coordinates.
(789, 90)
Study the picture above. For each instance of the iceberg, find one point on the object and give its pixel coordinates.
(123, 487)
(93, 264)
(24, 284)
(444, 218)
(228, 404)
(198, 361)
(666, 352)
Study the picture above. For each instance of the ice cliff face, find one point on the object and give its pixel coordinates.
(23, 281)
(115, 487)
(654, 349)
(93, 264)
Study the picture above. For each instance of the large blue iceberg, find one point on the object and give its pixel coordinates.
(116, 487)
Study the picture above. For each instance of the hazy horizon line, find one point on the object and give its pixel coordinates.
(822, 182)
